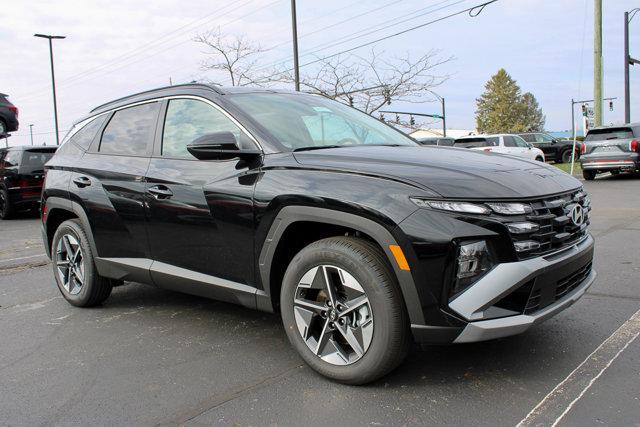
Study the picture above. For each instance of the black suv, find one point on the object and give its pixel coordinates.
(8, 116)
(21, 177)
(558, 150)
(360, 238)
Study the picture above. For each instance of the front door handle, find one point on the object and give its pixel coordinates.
(82, 181)
(160, 192)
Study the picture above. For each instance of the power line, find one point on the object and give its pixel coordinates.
(469, 9)
(347, 38)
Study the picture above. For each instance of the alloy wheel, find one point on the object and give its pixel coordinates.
(333, 315)
(70, 264)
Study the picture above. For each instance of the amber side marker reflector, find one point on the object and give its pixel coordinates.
(399, 256)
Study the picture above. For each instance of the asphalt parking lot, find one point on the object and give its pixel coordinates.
(149, 356)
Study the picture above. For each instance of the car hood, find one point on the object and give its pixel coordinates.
(449, 172)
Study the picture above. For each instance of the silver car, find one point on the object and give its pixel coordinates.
(612, 149)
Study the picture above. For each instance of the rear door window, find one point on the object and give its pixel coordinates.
(131, 130)
(609, 133)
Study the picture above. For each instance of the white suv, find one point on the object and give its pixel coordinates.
(503, 144)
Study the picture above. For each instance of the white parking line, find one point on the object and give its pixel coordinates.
(553, 408)
(22, 257)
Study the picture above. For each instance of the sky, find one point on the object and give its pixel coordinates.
(118, 47)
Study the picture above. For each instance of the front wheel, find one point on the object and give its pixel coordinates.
(589, 175)
(74, 268)
(540, 159)
(343, 311)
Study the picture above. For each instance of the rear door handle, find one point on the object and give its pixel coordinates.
(160, 192)
(82, 181)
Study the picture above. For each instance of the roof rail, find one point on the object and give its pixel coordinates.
(115, 101)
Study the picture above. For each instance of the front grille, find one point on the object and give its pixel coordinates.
(556, 227)
(541, 297)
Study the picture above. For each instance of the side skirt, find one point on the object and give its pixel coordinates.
(170, 277)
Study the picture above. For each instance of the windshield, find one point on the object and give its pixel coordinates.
(611, 133)
(300, 122)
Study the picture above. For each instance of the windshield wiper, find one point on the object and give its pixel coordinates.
(318, 147)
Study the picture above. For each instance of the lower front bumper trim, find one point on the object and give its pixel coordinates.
(497, 328)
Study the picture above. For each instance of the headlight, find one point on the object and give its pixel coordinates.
(510, 208)
(462, 207)
(474, 260)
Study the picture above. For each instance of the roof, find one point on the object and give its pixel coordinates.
(166, 90)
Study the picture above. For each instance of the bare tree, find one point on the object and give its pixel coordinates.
(368, 83)
(236, 56)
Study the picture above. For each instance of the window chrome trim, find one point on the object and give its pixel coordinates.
(170, 97)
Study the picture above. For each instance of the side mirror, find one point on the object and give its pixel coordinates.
(218, 146)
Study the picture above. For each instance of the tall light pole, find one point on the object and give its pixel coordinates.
(628, 60)
(31, 132)
(294, 27)
(597, 62)
(53, 79)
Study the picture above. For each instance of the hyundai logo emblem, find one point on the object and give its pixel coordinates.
(577, 215)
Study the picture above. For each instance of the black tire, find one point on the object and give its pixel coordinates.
(391, 338)
(539, 159)
(3, 128)
(589, 175)
(566, 156)
(6, 210)
(95, 289)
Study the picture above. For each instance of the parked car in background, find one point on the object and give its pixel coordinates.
(8, 115)
(503, 144)
(558, 150)
(436, 140)
(21, 177)
(612, 149)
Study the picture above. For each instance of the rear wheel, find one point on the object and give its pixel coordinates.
(566, 156)
(589, 175)
(343, 311)
(5, 205)
(74, 268)
(540, 159)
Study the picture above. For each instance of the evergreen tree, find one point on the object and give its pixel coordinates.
(531, 116)
(503, 109)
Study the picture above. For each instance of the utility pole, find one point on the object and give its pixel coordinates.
(31, 132)
(628, 60)
(597, 62)
(53, 79)
(294, 25)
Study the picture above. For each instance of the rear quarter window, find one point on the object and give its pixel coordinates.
(85, 135)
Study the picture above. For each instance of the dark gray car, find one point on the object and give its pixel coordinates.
(8, 116)
(612, 149)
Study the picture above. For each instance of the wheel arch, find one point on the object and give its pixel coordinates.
(290, 219)
(59, 210)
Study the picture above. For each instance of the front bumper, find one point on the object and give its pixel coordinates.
(479, 305)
